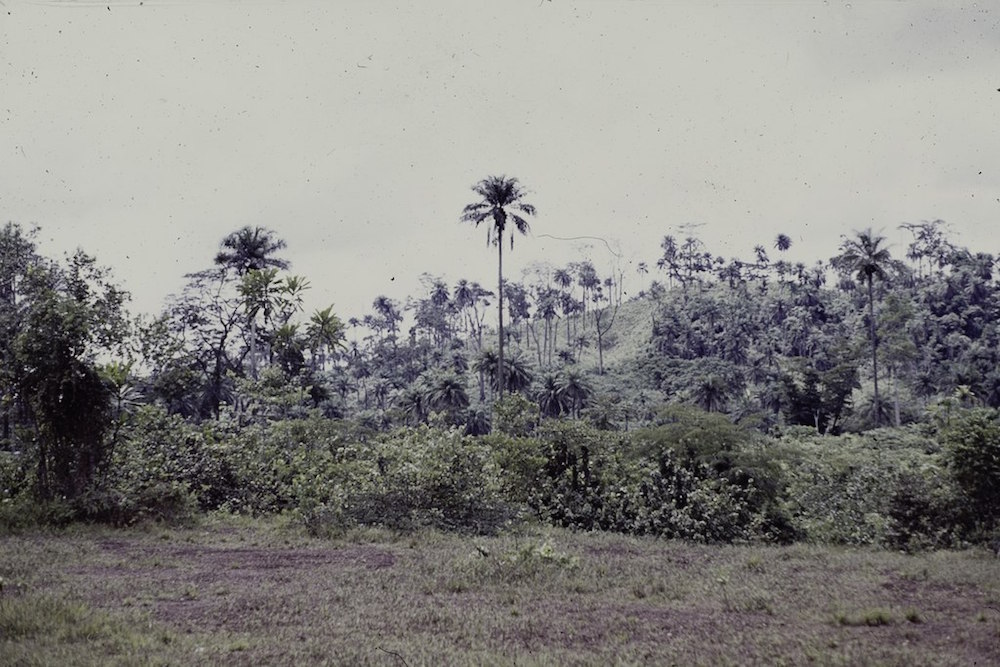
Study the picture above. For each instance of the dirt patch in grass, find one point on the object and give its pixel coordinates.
(252, 559)
(202, 587)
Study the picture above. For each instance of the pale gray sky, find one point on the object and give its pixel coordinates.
(144, 132)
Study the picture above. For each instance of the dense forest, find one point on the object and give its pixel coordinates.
(853, 400)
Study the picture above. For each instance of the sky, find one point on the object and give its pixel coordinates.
(146, 131)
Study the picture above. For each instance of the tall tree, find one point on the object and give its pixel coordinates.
(71, 316)
(205, 318)
(246, 250)
(867, 258)
(502, 199)
(17, 257)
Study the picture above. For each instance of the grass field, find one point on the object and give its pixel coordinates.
(233, 591)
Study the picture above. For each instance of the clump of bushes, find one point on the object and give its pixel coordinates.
(691, 475)
(899, 488)
(326, 473)
(423, 477)
(642, 484)
(971, 441)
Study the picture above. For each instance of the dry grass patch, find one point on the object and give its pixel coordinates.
(236, 592)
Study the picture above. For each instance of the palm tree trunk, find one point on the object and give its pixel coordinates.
(253, 347)
(534, 334)
(600, 351)
(894, 375)
(500, 367)
(871, 322)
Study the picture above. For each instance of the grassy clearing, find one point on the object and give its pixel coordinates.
(247, 592)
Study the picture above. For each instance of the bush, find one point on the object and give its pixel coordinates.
(596, 480)
(431, 477)
(160, 470)
(519, 461)
(888, 487)
(972, 443)
(925, 512)
(732, 454)
(515, 415)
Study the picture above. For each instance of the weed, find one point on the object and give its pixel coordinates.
(870, 618)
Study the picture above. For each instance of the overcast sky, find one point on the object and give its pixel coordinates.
(145, 132)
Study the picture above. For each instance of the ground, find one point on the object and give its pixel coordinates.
(234, 591)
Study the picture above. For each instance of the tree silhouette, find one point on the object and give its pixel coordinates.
(501, 199)
(866, 257)
(251, 249)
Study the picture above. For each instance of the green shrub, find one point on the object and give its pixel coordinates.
(515, 415)
(596, 480)
(925, 511)
(160, 470)
(520, 462)
(734, 455)
(431, 477)
(886, 487)
(972, 443)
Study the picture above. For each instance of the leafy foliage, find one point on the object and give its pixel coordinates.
(972, 441)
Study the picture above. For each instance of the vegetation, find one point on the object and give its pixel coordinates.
(744, 402)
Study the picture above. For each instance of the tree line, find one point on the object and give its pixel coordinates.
(862, 340)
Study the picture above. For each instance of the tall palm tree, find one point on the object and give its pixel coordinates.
(866, 257)
(501, 199)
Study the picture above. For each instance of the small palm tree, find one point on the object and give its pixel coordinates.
(412, 403)
(517, 373)
(287, 344)
(866, 256)
(502, 199)
(710, 393)
(325, 333)
(487, 364)
(552, 402)
(477, 421)
(576, 389)
(447, 394)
